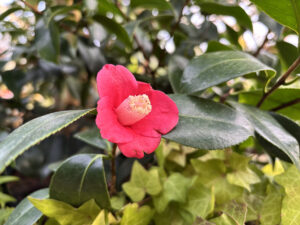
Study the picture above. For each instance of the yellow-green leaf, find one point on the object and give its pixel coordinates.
(66, 214)
(137, 216)
(142, 182)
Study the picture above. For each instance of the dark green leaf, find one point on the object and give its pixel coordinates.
(25, 212)
(176, 66)
(93, 137)
(34, 132)
(9, 11)
(269, 129)
(47, 40)
(214, 68)
(14, 79)
(288, 54)
(206, 124)
(151, 4)
(82, 178)
(115, 28)
(215, 46)
(277, 98)
(292, 127)
(283, 11)
(230, 10)
(105, 6)
(62, 10)
(92, 57)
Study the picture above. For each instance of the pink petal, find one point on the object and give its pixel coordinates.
(116, 82)
(163, 117)
(109, 126)
(143, 88)
(139, 145)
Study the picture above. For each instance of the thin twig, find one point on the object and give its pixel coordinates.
(262, 45)
(33, 8)
(144, 201)
(280, 81)
(287, 104)
(172, 31)
(113, 189)
(140, 47)
(175, 26)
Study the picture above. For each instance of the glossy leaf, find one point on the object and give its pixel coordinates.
(135, 215)
(93, 137)
(142, 182)
(291, 127)
(208, 125)
(230, 10)
(82, 178)
(268, 128)
(115, 28)
(277, 98)
(34, 132)
(151, 4)
(215, 68)
(285, 12)
(25, 212)
(215, 46)
(64, 213)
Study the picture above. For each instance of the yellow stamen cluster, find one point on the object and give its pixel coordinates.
(140, 104)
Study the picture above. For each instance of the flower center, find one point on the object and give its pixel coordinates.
(133, 109)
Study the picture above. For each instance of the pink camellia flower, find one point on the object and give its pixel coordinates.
(131, 113)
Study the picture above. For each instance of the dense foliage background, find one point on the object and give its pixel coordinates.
(231, 66)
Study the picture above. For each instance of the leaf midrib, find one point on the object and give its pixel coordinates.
(84, 175)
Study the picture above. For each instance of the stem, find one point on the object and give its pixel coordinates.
(287, 104)
(113, 189)
(280, 81)
(33, 8)
(144, 201)
(172, 31)
(175, 26)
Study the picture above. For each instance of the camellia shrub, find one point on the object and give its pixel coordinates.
(159, 112)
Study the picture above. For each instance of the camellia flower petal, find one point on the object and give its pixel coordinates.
(132, 114)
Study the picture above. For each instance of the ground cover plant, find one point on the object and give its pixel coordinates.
(131, 112)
